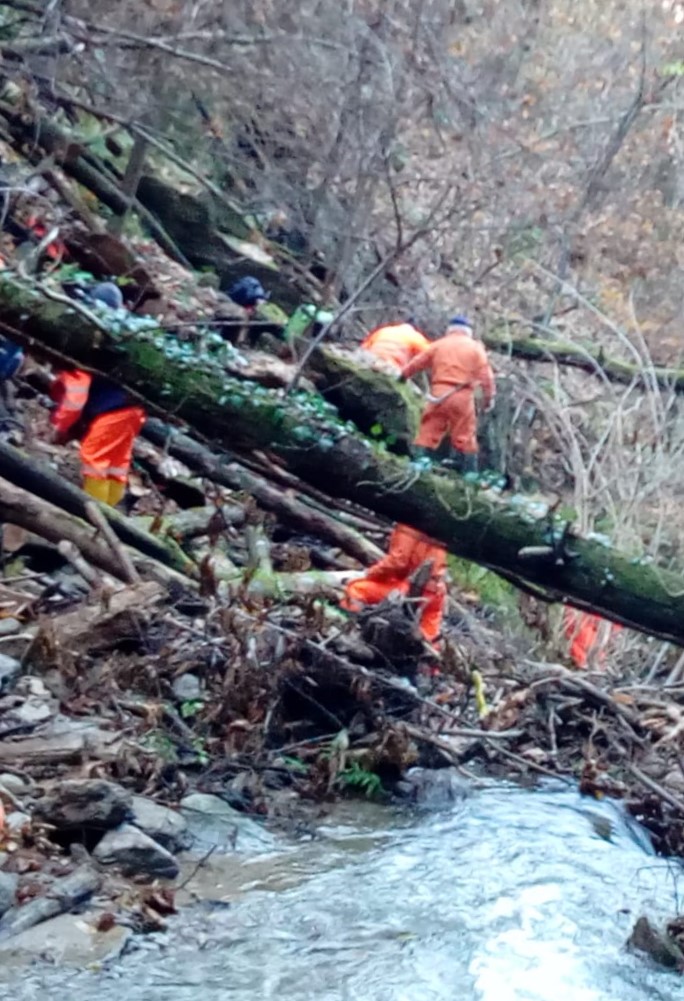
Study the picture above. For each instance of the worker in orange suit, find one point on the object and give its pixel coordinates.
(397, 343)
(581, 630)
(102, 416)
(408, 551)
(458, 367)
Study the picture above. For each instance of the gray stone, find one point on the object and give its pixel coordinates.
(433, 788)
(69, 939)
(8, 889)
(213, 822)
(168, 827)
(85, 803)
(15, 784)
(10, 669)
(187, 688)
(9, 626)
(656, 943)
(134, 853)
(16, 820)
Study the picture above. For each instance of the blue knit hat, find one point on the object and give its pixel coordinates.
(460, 321)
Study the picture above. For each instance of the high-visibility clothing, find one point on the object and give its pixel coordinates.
(70, 392)
(56, 250)
(408, 551)
(458, 365)
(107, 445)
(397, 343)
(581, 630)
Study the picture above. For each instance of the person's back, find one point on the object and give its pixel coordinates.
(458, 360)
(397, 343)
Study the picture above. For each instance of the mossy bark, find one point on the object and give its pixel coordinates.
(586, 357)
(308, 435)
(379, 405)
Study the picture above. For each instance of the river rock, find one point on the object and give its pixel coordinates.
(8, 889)
(187, 688)
(433, 788)
(16, 820)
(656, 943)
(69, 939)
(10, 669)
(213, 822)
(15, 784)
(85, 803)
(168, 827)
(9, 626)
(134, 853)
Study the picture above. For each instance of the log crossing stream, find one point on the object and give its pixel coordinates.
(508, 895)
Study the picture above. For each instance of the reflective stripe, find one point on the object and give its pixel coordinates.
(104, 472)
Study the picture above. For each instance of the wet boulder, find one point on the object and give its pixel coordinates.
(212, 821)
(656, 943)
(165, 826)
(85, 804)
(433, 788)
(134, 853)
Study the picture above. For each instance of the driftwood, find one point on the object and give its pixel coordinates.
(289, 508)
(62, 896)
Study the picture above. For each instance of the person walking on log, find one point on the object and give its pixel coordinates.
(458, 367)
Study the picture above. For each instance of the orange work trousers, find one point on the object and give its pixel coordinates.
(454, 416)
(107, 445)
(408, 551)
(581, 630)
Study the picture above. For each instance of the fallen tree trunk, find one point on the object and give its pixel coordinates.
(38, 479)
(587, 358)
(317, 446)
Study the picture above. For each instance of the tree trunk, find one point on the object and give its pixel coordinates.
(40, 480)
(308, 435)
(588, 358)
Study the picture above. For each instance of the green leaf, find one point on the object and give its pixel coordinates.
(376, 430)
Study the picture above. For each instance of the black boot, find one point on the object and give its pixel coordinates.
(461, 462)
(422, 452)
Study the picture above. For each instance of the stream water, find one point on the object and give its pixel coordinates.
(510, 895)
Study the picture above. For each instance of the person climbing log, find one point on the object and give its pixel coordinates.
(458, 366)
(396, 343)
(408, 551)
(102, 416)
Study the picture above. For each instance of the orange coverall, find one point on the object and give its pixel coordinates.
(106, 445)
(457, 364)
(581, 631)
(408, 550)
(396, 342)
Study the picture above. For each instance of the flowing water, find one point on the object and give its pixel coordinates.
(510, 895)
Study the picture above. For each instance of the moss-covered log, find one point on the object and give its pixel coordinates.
(307, 433)
(588, 358)
(379, 405)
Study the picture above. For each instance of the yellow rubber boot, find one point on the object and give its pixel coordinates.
(98, 489)
(117, 489)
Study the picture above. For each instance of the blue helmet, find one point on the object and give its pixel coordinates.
(247, 291)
